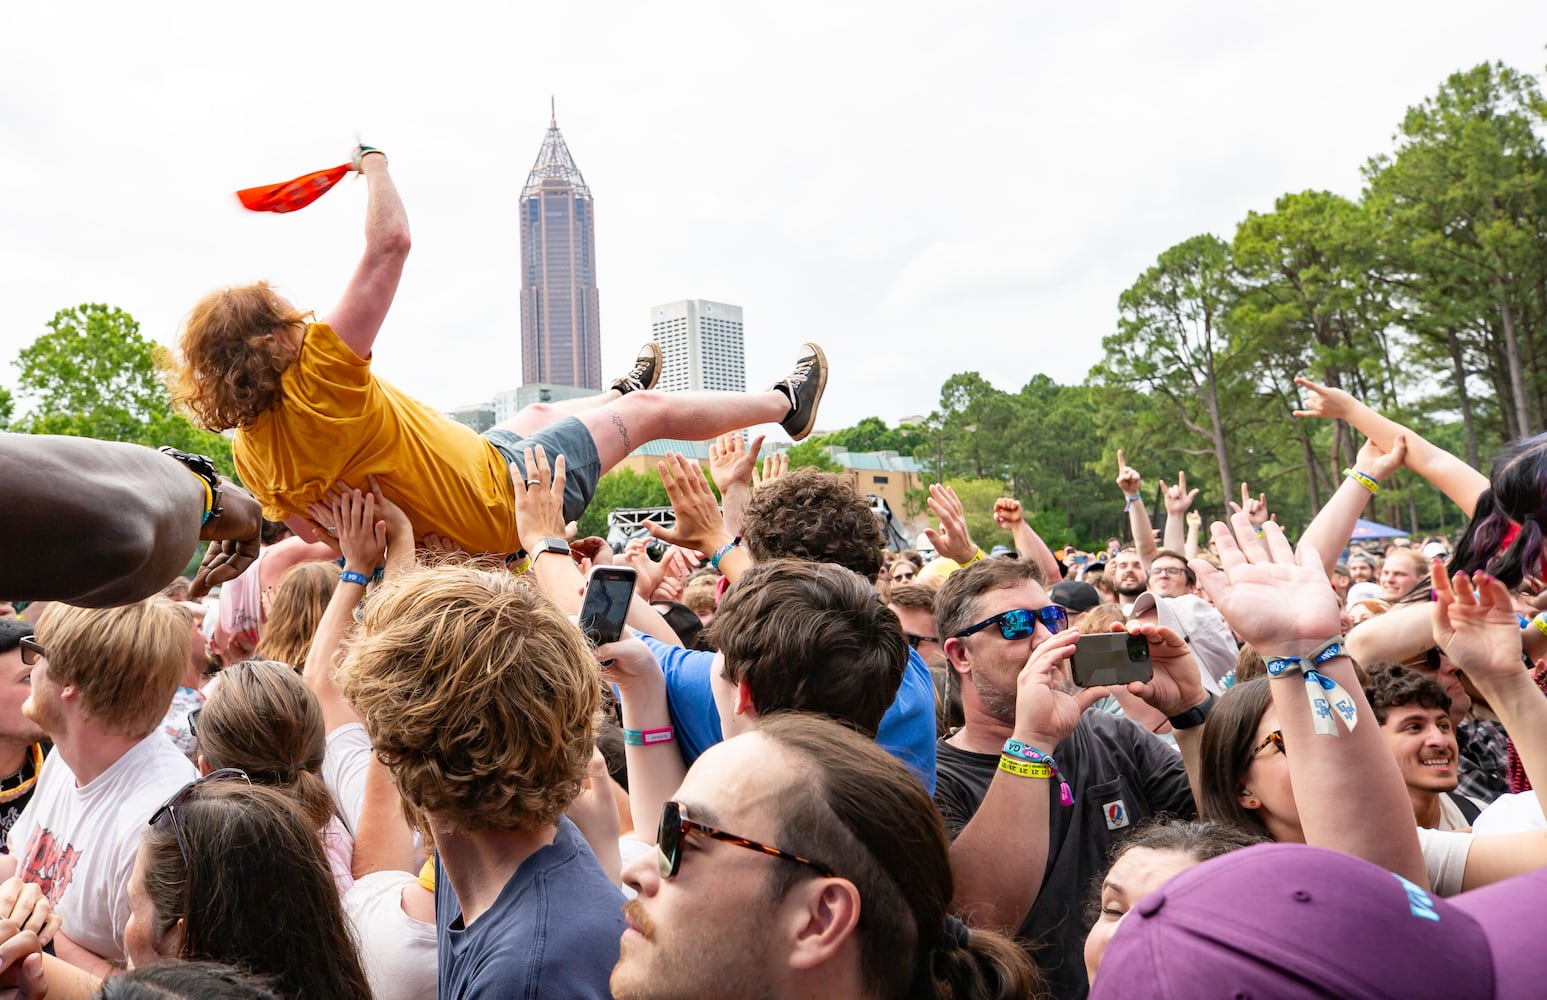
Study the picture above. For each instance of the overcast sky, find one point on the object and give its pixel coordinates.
(922, 189)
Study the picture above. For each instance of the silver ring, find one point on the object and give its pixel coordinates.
(333, 530)
(534, 482)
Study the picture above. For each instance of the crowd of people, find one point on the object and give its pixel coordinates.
(367, 751)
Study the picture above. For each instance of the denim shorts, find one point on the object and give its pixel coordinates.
(568, 437)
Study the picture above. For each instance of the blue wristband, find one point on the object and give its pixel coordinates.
(350, 576)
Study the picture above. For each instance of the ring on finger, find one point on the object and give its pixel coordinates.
(534, 482)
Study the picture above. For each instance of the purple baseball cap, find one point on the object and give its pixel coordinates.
(1284, 921)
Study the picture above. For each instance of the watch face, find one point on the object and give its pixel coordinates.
(553, 545)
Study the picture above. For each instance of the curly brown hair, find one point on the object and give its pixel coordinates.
(229, 363)
(815, 516)
(478, 694)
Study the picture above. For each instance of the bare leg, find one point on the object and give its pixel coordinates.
(534, 418)
(640, 417)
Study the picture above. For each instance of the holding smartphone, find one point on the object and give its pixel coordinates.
(1110, 658)
(608, 591)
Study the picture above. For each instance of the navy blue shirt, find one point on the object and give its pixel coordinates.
(553, 932)
(907, 729)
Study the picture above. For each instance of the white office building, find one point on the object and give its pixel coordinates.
(702, 343)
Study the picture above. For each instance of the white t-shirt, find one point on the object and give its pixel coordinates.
(1444, 857)
(344, 768)
(397, 951)
(1516, 812)
(78, 843)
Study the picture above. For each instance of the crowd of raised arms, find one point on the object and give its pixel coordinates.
(367, 751)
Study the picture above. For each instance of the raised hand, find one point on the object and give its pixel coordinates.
(1008, 513)
(234, 539)
(952, 539)
(361, 536)
(1324, 401)
(539, 497)
(1047, 706)
(1275, 598)
(774, 466)
(1127, 477)
(699, 525)
(1256, 510)
(1178, 498)
(1476, 628)
(1377, 463)
(732, 461)
(1176, 685)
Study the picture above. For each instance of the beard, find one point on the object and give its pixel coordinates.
(667, 965)
(1131, 589)
(997, 703)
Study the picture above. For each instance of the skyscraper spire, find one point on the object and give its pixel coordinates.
(554, 161)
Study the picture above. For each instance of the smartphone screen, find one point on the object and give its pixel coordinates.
(605, 605)
(1111, 658)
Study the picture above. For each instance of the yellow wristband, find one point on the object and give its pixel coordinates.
(1369, 482)
(1540, 621)
(979, 555)
(1025, 768)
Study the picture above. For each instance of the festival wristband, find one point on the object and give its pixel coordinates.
(647, 737)
(1540, 621)
(351, 576)
(723, 551)
(1025, 768)
(1318, 686)
(1018, 753)
(1364, 479)
(1025, 751)
(975, 557)
(1131, 500)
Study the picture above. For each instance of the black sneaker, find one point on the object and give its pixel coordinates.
(804, 387)
(645, 373)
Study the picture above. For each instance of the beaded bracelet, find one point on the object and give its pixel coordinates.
(648, 737)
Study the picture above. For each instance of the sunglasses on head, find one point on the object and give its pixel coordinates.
(31, 650)
(180, 797)
(1018, 623)
(675, 826)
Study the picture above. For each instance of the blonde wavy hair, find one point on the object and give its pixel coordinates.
(295, 611)
(478, 694)
(229, 363)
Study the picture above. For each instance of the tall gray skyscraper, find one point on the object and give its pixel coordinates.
(702, 344)
(561, 334)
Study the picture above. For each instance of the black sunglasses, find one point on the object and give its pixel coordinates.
(31, 650)
(916, 640)
(193, 721)
(170, 806)
(675, 826)
(1018, 623)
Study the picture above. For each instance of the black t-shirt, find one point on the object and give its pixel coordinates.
(1121, 775)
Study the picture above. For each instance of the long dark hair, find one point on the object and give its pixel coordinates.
(1516, 495)
(1226, 753)
(863, 813)
(254, 890)
(178, 980)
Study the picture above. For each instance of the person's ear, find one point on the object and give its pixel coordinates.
(955, 649)
(171, 943)
(821, 916)
(744, 704)
(1247, 799)
(203, 765)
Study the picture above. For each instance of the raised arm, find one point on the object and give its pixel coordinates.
(1453, 477)
(540, 514)
(1333, 525)
(1138, 518)
(655, 767)
(364, 540)
(952, 538)
(1009, 516)
(996, 887)
(1348, 791)
(731, 464)
(359, 314)
(1478, 630)
(700, 525)
(1178, 500)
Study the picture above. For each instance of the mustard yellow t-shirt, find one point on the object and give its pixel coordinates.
(335, 420)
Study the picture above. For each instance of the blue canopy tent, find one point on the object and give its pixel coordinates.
(1364, 530)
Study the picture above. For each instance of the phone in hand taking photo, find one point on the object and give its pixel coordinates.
(608, 591)
(1104, 659)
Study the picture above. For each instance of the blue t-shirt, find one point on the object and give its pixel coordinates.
(553, 931)
(907, 729)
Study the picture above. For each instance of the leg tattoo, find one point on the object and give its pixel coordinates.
(617, 422)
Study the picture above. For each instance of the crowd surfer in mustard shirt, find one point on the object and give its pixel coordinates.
(308, 411)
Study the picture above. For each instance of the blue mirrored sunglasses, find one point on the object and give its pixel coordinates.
(1018, 623)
